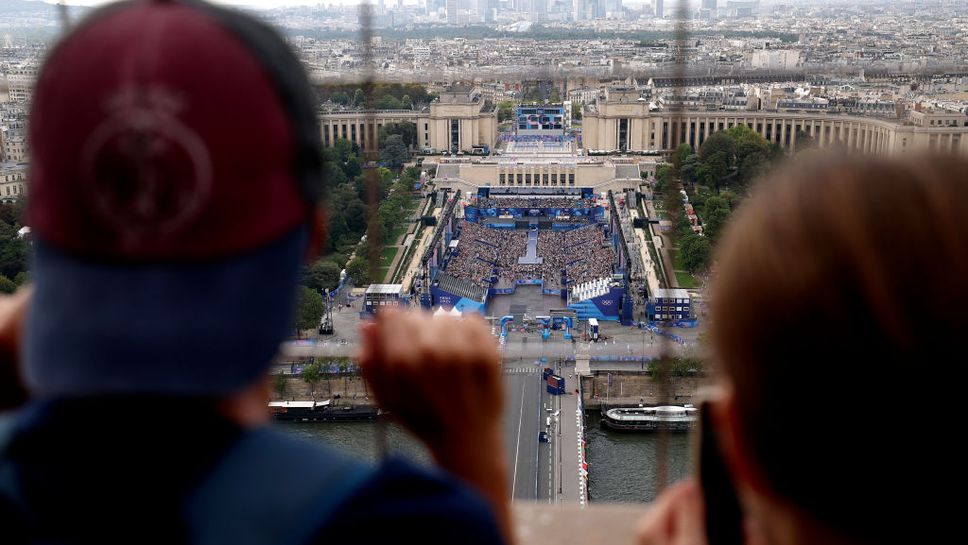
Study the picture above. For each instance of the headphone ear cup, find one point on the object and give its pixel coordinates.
(318, 232)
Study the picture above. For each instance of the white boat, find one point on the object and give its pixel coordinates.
(665, 417)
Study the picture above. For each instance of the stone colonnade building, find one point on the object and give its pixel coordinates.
(620, 120)
(459, 120)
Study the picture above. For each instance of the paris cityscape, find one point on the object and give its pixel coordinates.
(562, 168)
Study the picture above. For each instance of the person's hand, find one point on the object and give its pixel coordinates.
(13, 310)
(439, 377)
(676, 517)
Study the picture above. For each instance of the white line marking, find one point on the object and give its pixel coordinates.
(517, 448)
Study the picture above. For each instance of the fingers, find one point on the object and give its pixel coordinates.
(13, 310)
(438, 376)
(675, 518)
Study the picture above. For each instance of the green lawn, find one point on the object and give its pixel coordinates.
(674, 254)
(686, 280)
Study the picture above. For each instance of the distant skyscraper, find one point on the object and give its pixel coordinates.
(659, 8)
(452, 12)
(709, 4)
(539, 10)
(577, 10)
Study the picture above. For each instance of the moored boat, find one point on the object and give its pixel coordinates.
(648, 419)
(321, 411)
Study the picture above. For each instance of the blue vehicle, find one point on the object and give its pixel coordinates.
(543, 437)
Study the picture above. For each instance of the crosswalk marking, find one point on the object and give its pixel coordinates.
(522, 370)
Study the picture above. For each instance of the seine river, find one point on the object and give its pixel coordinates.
(621, 465)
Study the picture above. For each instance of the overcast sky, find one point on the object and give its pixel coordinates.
(280, 3)
(255, 3)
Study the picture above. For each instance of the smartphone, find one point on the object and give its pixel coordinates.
(724, 516)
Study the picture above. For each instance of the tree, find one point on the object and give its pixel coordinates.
(713, 223)
(750, 168)
(13, 250)
(347, 216)
(663, 177)
(311, 375)
(679, 157)
(23, 277)
(359, 98)
(576, 111)
(731, 198)
(353, 167)
(341, 150)
(687, 170)
(713, 171)
(322, 275)
(718, 142)
(408, 131)
(394, 152)
(359, 270)
(555, 96)
(505, 111)
(12, 213)
(695, 251)
(337, 258)
(388, 102)
(309, 309)
(406, 102)
(344, 367)
(280, 383)
(7, 285)
(340, 98)
(713, 203)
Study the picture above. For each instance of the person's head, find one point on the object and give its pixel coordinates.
(838, 312)
(175, 182)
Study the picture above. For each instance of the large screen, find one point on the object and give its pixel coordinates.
(539, 120)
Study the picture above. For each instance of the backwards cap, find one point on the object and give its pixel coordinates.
(171, 131)
(175, 168)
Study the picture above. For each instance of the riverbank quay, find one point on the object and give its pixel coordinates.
(631, 388)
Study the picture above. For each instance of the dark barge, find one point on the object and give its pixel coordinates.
(321, 411)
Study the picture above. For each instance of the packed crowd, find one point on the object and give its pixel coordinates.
(540, 202)
(583, 254)
(481, 250)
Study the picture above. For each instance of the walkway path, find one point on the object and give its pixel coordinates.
(530, 256)
(414, 264)
(401, 249)
(667, 265)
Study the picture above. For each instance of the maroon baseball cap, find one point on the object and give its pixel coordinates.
(175, 168)
(171, 130)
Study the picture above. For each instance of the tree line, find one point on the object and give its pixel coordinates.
(715, 179)
(349, 218)
(14, 250)
(389, 96)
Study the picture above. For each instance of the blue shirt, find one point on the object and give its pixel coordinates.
(119, 470)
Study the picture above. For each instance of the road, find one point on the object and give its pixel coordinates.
(528, 460)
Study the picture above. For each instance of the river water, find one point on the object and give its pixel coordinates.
(621, 466)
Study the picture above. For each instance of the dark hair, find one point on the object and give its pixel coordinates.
(839, 313)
